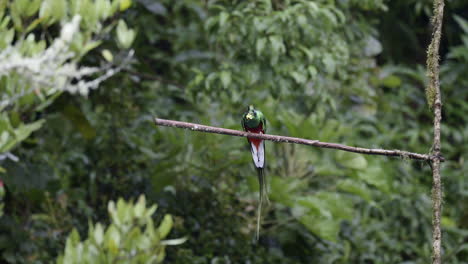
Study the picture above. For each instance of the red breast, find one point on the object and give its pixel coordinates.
(257, 130)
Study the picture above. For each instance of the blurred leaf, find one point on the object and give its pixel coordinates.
(448, 222)
(107, 55)
(125, 4)
(165, 226)
(125, 35)
(375, 176)
(326, 211)
(174, 242)
(463, 23)
(351, 160)
(76, 116)
(373, 47)
(225, 79)
(282, 189)
(223, 17)
(7, 142)
(354, 187)
(154, 7)
(53, 10)
(391, 81)
(260, 46)
(321, 226)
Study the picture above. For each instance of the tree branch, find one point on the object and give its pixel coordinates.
(294, 140)
(153, 78)
(435, 100)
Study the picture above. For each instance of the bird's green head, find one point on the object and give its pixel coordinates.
(252, 118)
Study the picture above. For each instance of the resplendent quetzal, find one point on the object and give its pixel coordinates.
(254, 121)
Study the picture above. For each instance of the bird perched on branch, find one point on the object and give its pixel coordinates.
(254, 121)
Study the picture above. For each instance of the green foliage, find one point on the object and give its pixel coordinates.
(38, 64)
(131, 237)
(340, 71)
(125, 36)
(12, 136)
(270, 45)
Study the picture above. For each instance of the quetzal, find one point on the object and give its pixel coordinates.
(254, 121)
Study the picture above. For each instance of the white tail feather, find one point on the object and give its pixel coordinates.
(258, 155)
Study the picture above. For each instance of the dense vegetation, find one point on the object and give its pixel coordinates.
(80, 82)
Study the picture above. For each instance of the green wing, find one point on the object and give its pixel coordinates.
(262, 120)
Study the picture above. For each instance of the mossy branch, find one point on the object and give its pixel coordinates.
(435, 102)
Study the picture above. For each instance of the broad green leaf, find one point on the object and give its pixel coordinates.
(53, 10)
(32, 7)
(125, 4)
(90, 45)
(79, 120)
(165, 226)
(355, 187)
(301, 20)
(315, 206)
(223, 17)
(298, 77)
(7, 37)
(99, 234)
(125, 35)
(373, 47)
(33, 25)
(103, 8)
(326, 211)
(339, 205)
(107, 55)
(123, 212)
(174, 242)
(329, 15)
(151, 211)
(323, 227)
(225, 77)
(462, 22)
(71, 245)
(260, 46)
(312, 72)
(391, 81)
(15, 14)
(112, 240)
(139, 207)
(282, 189)
(211, 77)
(277, 44)
(375, 176)
(3, 4)
(448, 222)
(351, 160)
(329, 62)
(74, 237)
(19, 134)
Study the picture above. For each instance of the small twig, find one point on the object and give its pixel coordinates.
(294, 140)
(154, 78)
(434, 94)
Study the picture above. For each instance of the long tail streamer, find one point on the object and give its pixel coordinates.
(263, 192)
